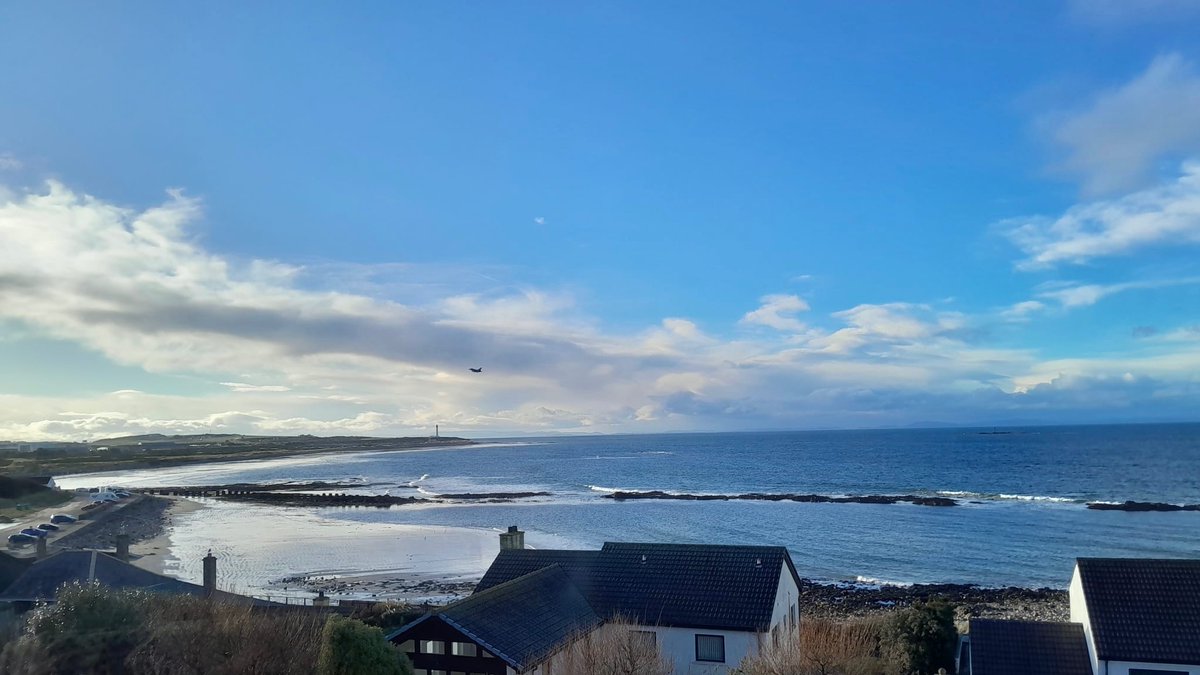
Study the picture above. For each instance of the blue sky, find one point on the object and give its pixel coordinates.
(636, 217)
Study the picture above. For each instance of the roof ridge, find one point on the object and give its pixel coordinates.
(688, 545)
(547, 569)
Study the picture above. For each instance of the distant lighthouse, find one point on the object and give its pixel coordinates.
(436, 431)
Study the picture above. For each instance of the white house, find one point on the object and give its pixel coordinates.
(706, 607)
(1129, 616)
(1139, 616)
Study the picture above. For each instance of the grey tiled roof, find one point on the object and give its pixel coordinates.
(1143, 609)
(523, 620)
(1028, 648)
(12, 567)
(697, 586)
(513, 563)
(43, 579)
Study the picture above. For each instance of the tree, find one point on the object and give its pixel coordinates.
(923, 637)
(350, 647)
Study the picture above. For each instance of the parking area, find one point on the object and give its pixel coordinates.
(81, 507)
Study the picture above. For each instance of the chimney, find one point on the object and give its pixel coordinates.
(210, 574)
(41, 548)
(123, 547)
(514, 538)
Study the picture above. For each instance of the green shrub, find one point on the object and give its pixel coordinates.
(350, 647)
(89, 629)
(923, 637)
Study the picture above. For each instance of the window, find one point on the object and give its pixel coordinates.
(463, 649)
(793, 616)
(433, 647)
(710, 648)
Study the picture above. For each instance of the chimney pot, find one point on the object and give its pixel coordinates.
(210, 574)
(123, 547)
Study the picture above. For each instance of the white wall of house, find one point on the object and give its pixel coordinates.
(678, 645)
(1079, 614)
(787, 596)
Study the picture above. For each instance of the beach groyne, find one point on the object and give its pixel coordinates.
(313, 494)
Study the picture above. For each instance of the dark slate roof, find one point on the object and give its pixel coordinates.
(521, 621)
(696, 586)
(1143, 609)
(42, 580)
(12, 567)
(1028, 648)
(517, 562)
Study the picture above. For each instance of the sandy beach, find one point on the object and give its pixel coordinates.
(152, 553)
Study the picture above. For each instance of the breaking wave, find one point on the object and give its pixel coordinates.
(872, 581)
(985, 496)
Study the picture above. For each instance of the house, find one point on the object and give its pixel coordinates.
(513, 627)
(40, 582)
(1139, 616)
(998, 647)
(1129, 616)
(706, 607)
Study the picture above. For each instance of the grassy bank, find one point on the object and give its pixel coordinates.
(118, 454)
(13, 509)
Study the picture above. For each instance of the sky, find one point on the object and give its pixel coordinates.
(634, 217)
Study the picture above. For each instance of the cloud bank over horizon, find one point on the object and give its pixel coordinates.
(283, 351)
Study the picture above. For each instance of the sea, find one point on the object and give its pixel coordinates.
(1021, 519)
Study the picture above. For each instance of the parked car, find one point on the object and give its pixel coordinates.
(122, 494)
(48, 527)
(62, 518)
(19, 538)
(34, 532)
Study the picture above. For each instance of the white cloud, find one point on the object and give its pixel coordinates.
(1084, 295)
(244, 387)
(1022, 311)
(8, 162)
(1167, 214)
(299, 353)
(1114, 143)
(778, 312)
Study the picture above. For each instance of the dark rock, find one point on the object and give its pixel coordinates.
(802, 498)
(1129, 505)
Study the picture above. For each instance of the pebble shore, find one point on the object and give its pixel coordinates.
(145, 519)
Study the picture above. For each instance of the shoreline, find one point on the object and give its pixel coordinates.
(152, 553)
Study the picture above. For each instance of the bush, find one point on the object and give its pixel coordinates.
(823, 647)
(93, 629)
(350, 647)
(194, 635)
(923, 637)
(616, 648)
(90, 629)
